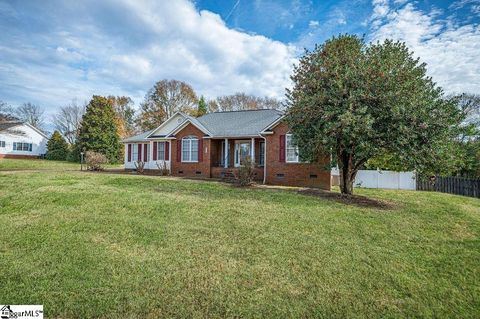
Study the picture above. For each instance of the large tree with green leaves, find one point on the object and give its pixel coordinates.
(469, 137)
(99, 131)
(355, 101)
(57, 147)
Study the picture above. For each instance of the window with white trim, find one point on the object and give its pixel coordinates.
(23, 147)
(2, 143)
(161, 151)
(291, 149)
(134, 152)
(261, 159)
(190, 149)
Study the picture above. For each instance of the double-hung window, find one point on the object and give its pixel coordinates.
(2, 143)
(24, 147)
(161, 151)
(190, 149)
(135, 152)
(261, 155)
(291, 150)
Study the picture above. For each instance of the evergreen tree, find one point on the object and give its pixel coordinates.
(202, 107)
(99, 131)
(57, 147)
(358, 101)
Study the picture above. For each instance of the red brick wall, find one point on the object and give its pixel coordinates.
(217, 172)
(201, 169)
(294, 174)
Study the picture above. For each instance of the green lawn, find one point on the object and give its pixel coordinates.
(109, 245)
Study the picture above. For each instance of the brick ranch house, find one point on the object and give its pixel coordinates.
(216, 144)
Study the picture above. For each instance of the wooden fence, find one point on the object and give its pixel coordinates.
(451, 184)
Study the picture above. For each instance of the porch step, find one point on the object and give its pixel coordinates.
(228, 176)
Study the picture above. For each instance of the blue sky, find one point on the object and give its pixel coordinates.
(54, 51)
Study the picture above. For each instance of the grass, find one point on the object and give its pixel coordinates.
(43, 165)
(103, 245)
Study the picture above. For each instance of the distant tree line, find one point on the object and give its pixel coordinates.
(169, 96)
(100, 124)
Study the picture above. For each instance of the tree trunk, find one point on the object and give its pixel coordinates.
(346, 182)
(348, 171)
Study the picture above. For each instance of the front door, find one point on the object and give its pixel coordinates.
(242, 151)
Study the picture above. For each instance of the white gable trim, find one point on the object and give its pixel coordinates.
(272, 125)
(36, 130)
(165, 123)
(185, 123)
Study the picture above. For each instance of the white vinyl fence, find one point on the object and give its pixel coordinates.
(383, 179)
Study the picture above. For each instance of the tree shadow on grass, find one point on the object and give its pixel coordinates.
(355, 200)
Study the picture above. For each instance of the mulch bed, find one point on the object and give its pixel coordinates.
(355, 200)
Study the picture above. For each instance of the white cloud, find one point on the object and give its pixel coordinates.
(123, 47)
(313, 23)
(451, 50)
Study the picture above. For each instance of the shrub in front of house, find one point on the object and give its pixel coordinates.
(95, 161)
(162, 167)
(140, 166)
(244, 174)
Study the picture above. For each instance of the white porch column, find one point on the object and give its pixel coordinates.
(150, 156)
(252, 150)
(170, 142)
(225, 153)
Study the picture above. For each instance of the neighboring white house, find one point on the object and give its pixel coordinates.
(152, 147)
(18, 139)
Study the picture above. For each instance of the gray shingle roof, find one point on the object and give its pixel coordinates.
(7, 125)
(238, 123)
(226, 124)
(138, 138)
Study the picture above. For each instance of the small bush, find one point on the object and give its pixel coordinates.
(95, 161)
(245, 173)
(162, 166)
(140, 166)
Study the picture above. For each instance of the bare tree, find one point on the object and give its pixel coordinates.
(32, 114)
(242, 101)
(6, 112)
(67, 120)
(163, 100)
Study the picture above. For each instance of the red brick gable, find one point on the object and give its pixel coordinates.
(200, 169)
